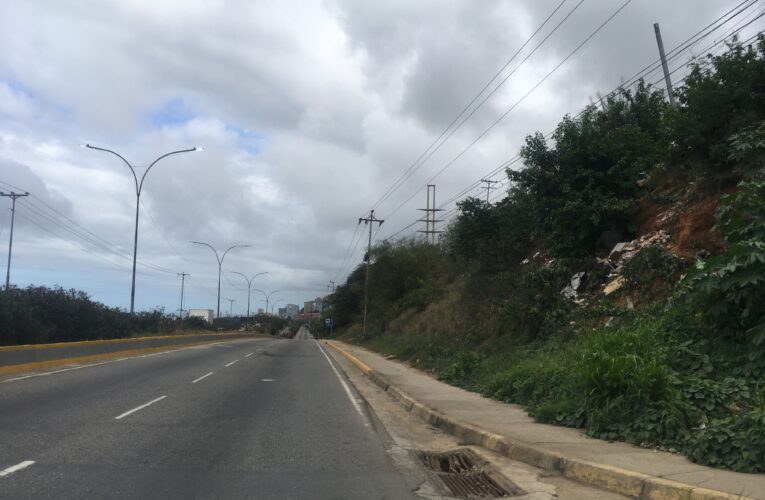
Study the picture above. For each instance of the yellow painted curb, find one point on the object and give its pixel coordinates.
(353, 359)
(52, 363)
(623, 481)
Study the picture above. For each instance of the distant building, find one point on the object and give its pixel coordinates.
(205, 314)
(282, 312)
(308, 306)
(292, 310)
(318, 304)
(260, 310)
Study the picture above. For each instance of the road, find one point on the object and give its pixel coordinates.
(255, 418)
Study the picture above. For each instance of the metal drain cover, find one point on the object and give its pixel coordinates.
(465, 475)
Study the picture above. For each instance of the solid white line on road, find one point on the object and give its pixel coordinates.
(139, 407)
(202, 377)
(11, 470)
(345, 386)
(248, 355)
(268, 380)
(232, 363)
(45, 374)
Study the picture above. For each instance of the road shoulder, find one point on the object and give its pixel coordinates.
(406, 435)
(507, 430)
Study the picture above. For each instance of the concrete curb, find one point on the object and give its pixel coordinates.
(622, 481)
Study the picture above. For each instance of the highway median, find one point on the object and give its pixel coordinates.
(36, 357)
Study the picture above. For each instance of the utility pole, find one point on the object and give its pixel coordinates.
(332, 316)
(430, 215)
(371, 220)
(664, 64)
(488, 187)
(13, 196)
(231, 307)
(183, 282)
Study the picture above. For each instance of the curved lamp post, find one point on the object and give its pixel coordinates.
(220, 263)
(249, 289)
(273, 305)
(138, 189)
(266, 295)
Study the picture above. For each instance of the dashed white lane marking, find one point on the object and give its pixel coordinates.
(129, 412)
(202, 377)
(248, 355)
(232, 363)
(17, 467)
(268, 380)
(342, 382)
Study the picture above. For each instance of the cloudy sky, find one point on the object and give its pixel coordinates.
(308, 111)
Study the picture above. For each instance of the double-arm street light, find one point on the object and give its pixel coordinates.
(273, 304)
(138, 189)
(220, 263)
(267, 295)
(249, 290)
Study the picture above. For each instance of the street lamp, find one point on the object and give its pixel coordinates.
(249, 286)
(267, 295)
(220, 263)
(273, 304)
(138, 189)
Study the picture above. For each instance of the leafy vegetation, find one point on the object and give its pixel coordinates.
(37, 315)
(685, 370)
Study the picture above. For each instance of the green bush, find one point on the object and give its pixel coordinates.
(716, 101)
(736, 442)
(651, 268)
(623, 375)
(533, 307)
(462, 372)
(728, 289)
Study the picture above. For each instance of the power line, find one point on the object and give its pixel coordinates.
(675, 52)
(518, 102)
(347, 250)
(430, 150)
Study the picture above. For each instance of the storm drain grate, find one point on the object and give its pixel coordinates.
(466, 476)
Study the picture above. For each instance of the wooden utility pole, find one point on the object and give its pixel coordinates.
(489, 187)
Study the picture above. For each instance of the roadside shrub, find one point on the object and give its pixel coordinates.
(38, 314)
(534, 307)
(623, 376)
(463, 370)
(651, 270)
(736, 442)
(547, 383)
(727, 289)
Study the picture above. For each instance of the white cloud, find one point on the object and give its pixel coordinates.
(307, 111)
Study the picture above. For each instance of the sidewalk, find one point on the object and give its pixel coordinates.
(507, 429)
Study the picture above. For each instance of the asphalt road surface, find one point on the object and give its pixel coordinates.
(257, 418)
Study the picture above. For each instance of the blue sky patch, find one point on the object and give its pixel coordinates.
(172, 112)
(249, 139)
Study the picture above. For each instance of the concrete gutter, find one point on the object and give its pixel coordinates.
(16, 359)
(619, 480)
